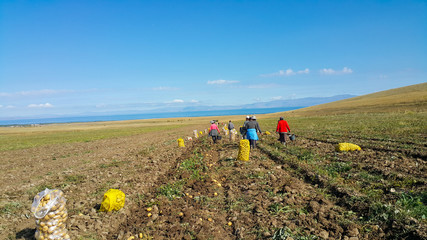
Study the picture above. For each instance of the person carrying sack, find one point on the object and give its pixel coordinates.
(230, 129)
(282, 129)
(230, 125)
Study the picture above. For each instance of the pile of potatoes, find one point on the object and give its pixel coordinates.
(51, 215)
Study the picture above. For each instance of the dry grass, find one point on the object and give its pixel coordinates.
(406, 99)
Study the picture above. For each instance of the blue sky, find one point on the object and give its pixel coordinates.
(85, 57)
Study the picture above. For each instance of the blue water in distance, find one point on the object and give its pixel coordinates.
(242, 112)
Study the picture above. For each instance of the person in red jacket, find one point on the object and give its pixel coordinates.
(282, 129)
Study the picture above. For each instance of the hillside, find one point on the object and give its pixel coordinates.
(411, 98)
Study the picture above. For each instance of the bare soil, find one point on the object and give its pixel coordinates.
(217, 198)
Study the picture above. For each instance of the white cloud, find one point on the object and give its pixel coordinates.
(221, 82)
(260, 86)
(1, 106)
(165, 89)
(46, 105)
(10, 106)
(178, 101)
(43, 92)
(277, 98)
(5, 94)
(194, 101)
(347, 70)
(305, 71)
(102, 105)
(288, 72)
(327, 71)
(330, 71)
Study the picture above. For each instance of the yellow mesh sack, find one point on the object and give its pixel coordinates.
(244, 150)
(181, 142)
(346, 147)
(114, 199)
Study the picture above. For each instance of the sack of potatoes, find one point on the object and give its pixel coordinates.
(51, 215)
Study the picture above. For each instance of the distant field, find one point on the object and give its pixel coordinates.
(13, 138)
(31, 137)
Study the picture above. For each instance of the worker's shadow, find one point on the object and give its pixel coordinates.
(26, 233)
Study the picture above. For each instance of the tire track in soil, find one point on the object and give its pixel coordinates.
(257, 197)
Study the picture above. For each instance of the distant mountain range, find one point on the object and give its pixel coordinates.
(299, 102)
(285, 104)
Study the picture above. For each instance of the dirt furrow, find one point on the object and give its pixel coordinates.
(416, 151)
(85, 171)
(345, 195)
(222, 198)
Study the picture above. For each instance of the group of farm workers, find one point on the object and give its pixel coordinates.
(250, 130)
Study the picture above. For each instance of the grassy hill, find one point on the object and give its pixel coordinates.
(405, 99)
